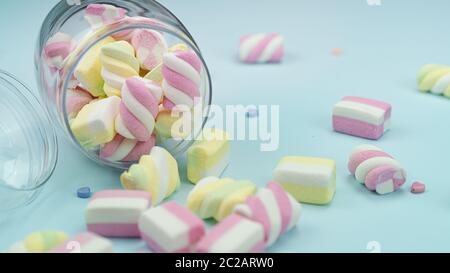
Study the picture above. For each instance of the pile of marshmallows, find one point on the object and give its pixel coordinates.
(125, 86)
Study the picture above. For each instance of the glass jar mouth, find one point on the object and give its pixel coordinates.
(108, 31)
(34, 153)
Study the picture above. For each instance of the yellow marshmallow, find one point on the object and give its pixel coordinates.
(309, 180)
(119, 63)
(95, 123)
(209, 156)
(39, 242)
(88, 71)
(156, 173)
(216, 198)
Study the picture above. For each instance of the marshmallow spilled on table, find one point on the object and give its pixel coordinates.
(170, 228)
(39, 242)
(362, 117)
(376, 169)
(115, 213)
(307, 179)
(156, 173)
(208, 156)
(261, 48)
(273, 208)
(235, 234)
(85, 243)
(216, 198)
(434, 78)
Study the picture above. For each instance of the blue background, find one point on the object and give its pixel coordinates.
(383, 46)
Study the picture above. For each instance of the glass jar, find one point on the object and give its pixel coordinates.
(69, 19)
(28, 144)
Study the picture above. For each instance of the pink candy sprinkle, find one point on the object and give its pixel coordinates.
(336, 51)
(417, 187)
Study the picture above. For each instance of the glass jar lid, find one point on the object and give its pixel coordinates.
(28, 145)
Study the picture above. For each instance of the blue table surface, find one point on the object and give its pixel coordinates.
(383, 47)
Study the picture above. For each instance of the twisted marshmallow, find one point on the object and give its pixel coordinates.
(119, 63)
(434, 78)
(261, 48)
(76, 99)
(122, 149)
(274, 208)
(58, 47)
(138, 109)
(181, 85)
(99, 15)
(150, 47)
(376, 169)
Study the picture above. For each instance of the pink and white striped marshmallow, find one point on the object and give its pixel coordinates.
(261, 48)
(138, 109)
(274, 208)
(126, 150)
(182, 78)
(171, 228)
(376, 169)
(235, 234)
(362, 117)
(85, 243)
(98, 15)
(150, 47)
(58, 47)
(115, 213)
(76, 99)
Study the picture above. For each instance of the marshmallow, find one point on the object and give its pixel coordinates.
(217, 198)
(235, 234)
(88, 70)
(434, 78)
(376, 169)
(58, 47)
(98, 15)
(170, 124)
(39, 242)
(139, 109)
(170, 228)
(307, 179)
(116, 213)
(274, 208)
(362, 117)
(156, 173)
(119, 63)
(122, 149)
(182, 78)
(85, 243)
(209, 156)
(155, 74)
(76, 99)
(150, 47)
(261, 48)
(94, 124)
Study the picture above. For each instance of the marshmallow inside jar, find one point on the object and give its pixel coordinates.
(120, 77)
